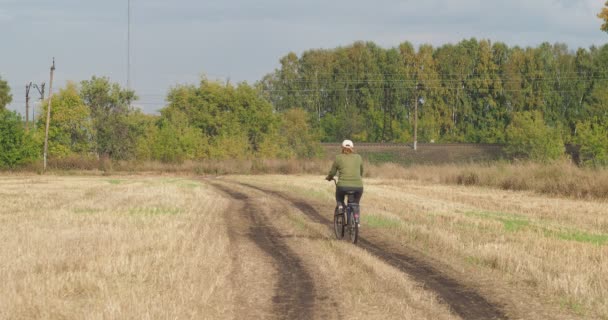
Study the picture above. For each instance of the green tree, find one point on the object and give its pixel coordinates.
(455, 64)
(528, 136)
(592, 137)
(70, 129)
(434, 116)
(16, 146)
(235, 122)
(110, 107)
(471, 90)
(172, 139)
(301, 141)
(487, 114)
(5, 94)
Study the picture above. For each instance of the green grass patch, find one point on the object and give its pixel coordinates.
(579, 236)
(514, 223)
(115, 181)
(510, 222)
(375, 221)
(154, 211)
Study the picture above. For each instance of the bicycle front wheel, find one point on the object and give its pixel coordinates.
(353, 229)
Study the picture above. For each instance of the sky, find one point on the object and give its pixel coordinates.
(176, 42)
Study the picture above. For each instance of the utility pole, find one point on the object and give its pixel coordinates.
(416, 119)
(48, 116)
(418, 101)
(318, 99)
(27, 106)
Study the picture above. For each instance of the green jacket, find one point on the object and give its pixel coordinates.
(349, 168)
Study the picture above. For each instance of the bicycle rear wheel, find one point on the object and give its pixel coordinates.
(338, 224)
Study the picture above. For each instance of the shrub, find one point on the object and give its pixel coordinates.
(16, 146)
(592, 136)
(529, 137)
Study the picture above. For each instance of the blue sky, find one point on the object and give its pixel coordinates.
(174, 42)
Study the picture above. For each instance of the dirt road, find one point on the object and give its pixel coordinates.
(292, 233)
(293, 297)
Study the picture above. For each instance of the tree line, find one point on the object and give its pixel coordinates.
(475, 91)
(534, 100)
(212, 120)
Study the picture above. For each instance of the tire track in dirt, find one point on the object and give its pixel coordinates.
(294, 293)
(464, 301)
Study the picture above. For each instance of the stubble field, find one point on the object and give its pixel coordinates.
(262, 247)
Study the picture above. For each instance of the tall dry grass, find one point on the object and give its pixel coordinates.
(557, 179)
(88, 165)
(112, 248)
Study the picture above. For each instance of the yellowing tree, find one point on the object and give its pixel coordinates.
(604, 16)
(70, 129)
(5, 94)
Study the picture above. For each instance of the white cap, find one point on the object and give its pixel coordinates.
(347, 144)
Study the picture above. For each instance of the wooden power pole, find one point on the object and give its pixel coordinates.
(419, 87)
(48, 116)
(27, 106)
(416, 120)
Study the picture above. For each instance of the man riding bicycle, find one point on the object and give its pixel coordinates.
(349, 167)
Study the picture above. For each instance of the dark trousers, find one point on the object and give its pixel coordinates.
(341, 193)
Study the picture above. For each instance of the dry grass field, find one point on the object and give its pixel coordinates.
(112, 248)
(139, 247)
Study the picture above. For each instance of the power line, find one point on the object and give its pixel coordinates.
(135, 102)
(427, 88)
(445, 75)
(437, 79)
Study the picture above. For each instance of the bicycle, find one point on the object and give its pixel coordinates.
(350, 214)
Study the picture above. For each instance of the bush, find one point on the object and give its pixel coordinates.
(529, 137)
(299, 136)
(592, 137)
(16, 146)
